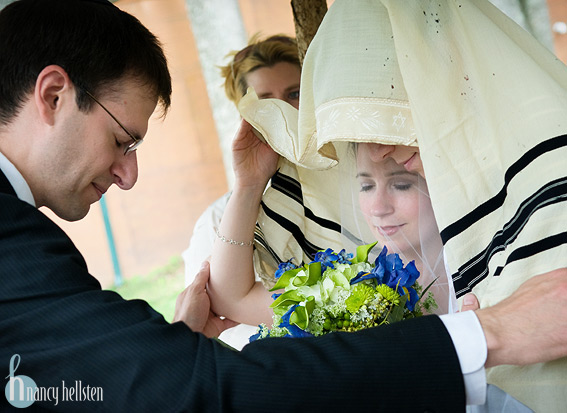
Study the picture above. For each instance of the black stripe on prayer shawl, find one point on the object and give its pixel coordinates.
(308, 248)
(476, 269)
(497, 201)
(535, 248)
(287, 186)
(260, 239)
(292, 189)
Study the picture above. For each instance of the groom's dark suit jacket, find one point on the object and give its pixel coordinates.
(65, 328)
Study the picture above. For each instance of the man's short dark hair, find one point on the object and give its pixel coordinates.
(93, 40)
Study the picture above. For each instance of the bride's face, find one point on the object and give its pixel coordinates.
(395, 203)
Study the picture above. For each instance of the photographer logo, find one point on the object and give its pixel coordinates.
(20, 390)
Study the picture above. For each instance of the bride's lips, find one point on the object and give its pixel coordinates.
(388, 230)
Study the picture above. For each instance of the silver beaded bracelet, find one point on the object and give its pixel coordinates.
(233, 242)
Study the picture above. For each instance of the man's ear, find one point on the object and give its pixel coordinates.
(52, 87)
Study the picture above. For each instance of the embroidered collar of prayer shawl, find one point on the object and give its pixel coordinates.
(489, 109)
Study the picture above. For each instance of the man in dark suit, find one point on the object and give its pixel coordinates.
(79, 81)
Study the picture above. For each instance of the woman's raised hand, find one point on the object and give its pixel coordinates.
(253, 161)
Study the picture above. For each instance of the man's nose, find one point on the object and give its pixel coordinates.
(125, 171)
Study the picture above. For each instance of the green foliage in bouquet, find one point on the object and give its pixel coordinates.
(339, 292)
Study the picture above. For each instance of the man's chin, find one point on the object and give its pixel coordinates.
(71, 214)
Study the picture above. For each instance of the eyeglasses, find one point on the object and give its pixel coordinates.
(135, 141)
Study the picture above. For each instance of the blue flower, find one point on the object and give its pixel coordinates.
(344, 257)
(389, 269)
(285, 318)
(276, 295)
(402, 280)
(362, 276)
(263, 332)
(326, 258)
(406, 277)
(283, 267)
(292, 328)
(412, 299)
(378, 273)
(297, 332)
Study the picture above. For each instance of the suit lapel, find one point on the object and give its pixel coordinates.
(5, 186)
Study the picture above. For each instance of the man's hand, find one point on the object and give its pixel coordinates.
(530, 326)
(193, 307)
(470, 302)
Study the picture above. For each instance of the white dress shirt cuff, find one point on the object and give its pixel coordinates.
(469, 341)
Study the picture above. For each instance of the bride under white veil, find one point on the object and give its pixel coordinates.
(487, 104)
(313, 201)
(383, 202)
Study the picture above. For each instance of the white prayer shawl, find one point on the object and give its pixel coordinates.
(487, 105)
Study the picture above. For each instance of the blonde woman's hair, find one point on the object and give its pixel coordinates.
(257, 54)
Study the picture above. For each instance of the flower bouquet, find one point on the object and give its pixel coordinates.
(339, 292)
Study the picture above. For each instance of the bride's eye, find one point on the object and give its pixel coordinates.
(365, 187)
(406, 186)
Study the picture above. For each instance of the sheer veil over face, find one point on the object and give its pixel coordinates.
(392, 201)
(390, 205)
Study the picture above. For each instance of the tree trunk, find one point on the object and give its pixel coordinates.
(307, 16)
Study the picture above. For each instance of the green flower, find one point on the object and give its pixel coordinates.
(359, 295)
(352, 270)
(388, 293)
(337, 277)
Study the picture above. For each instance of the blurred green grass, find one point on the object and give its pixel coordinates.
(160, 287)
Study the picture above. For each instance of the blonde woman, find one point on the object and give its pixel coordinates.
(270, 66)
